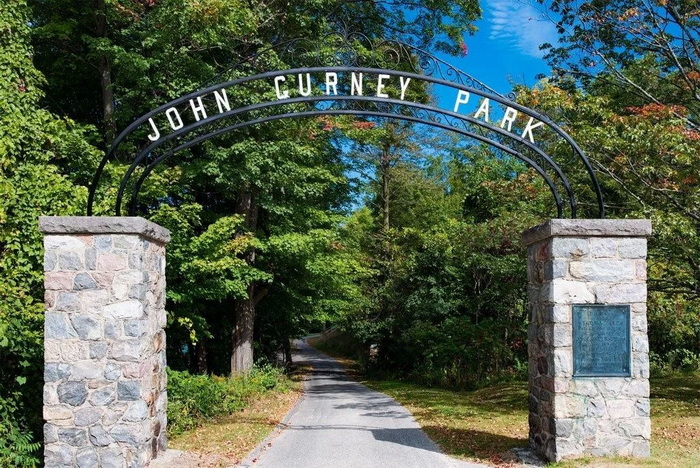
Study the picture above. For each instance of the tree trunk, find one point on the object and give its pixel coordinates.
(104, 69)
(200, 351)
(244, 308)
(386, 195)
(287, 353)
(242, 355)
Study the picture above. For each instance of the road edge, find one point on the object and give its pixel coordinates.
(254, 454)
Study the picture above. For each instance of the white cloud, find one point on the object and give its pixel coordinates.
(520, 25)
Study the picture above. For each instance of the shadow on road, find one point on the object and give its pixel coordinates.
(410, 437)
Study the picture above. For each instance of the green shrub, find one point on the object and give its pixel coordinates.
(458, 353)
(340, 343)
(17, 448)
(192, 399)
(683, 360)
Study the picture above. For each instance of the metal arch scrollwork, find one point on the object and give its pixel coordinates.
(457, 123)
(354, 105)
(343, 52)
(343, 47)
(428, 65)
(144, 154)
(370, 113)
(325, 105)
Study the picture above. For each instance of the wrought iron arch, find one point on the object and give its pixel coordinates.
(422, 67)
(530, 163)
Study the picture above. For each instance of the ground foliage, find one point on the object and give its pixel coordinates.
(483, 425)
(230, 438)
(196, 399)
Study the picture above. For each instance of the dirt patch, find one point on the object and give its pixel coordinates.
(180, 459)
(226, 441)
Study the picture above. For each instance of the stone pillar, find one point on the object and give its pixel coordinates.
(578, 262)
(104, 343)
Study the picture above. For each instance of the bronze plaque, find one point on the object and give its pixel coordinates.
(601, 337)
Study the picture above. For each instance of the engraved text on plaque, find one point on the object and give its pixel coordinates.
(601, 340)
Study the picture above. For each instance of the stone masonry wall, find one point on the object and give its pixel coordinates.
(586, 262)
(104, 391)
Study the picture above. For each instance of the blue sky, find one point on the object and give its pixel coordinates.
(505, 50)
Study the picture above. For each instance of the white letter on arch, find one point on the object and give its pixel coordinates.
(381, 85)
(529, 128)
(462, 98)
(483, 109)
(509, 117)
(355, 84)
(404, 86)
(307, 91)
(173, 113)
(331, 82)
(280, 94)
(198, 109)
(222, 100)
(156, 132)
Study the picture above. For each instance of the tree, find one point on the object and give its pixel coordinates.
(111, 61)
(646, 158)
(378, 152)
(612, 42)
(635, 63)
(445, 304)
(33, 145)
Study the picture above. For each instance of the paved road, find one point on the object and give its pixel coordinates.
(342, 424)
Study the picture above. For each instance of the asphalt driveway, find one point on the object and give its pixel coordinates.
(340, 423)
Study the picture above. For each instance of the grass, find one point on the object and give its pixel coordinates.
(225, 440)
(482, 425)
(479, 426)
